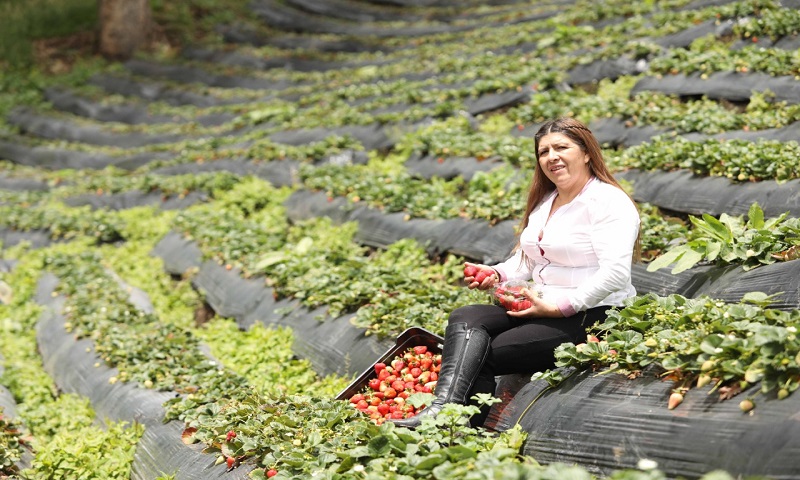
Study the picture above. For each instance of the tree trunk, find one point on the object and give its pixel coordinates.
(124, 27)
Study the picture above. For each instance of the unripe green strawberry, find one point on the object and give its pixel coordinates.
(675, 399)
(746, 405)
(783, 393)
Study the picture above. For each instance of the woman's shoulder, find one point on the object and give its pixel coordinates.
(599, 189)
(605, 196)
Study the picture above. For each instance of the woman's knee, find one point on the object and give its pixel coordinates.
(475, 316)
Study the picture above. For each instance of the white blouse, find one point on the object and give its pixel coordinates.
(584, 256)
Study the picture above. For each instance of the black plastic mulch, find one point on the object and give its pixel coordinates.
(605, 69)
(372, 137)
(614, 132)
(73, 364)
(188, 74)
(685, 38)
(284, 17)
(733, 86)
(783, 134)
(449, 167)
(59, 158)
(157, 91)
(36, 238)
(631, 422)
(683, 191)
(332, 345)
(287, 63)
(246, 35)
(43, 126)
(136, 198)
(23, 184)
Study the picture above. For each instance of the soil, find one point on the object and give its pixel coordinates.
(58, 55)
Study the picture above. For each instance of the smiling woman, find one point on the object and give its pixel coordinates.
(578, 239)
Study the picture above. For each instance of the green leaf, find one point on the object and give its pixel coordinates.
(458, 453)
(667, 258)
(755, 216)
(760, 298)
(378, 446)
(431, 461)
(270, 259)
(687, 261)
(713, 227)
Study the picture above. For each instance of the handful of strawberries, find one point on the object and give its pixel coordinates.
(416, 370)
(515, 295)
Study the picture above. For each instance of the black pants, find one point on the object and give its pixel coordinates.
(522, 345)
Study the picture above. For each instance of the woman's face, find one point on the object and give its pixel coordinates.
(563, 161)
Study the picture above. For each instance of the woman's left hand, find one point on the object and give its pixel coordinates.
(539, 308)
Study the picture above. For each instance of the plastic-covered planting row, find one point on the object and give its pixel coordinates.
(629, 416)
(281, 16)
(331, 345)
(609, 422)
(478, 240)
(240, 59)
(128, 113)
(8, 409)
(62, 158)
(683, 191)
(136, 198)
(159, 92)
(49, 127)
(22, 184)
(36, 238)
(733, 86)
(72, 365)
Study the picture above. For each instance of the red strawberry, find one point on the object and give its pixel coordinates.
(383, 409)
(470, 270)
(416, 372)
(383, 374)
(390, 393)
(271, 473)
(362, 405)
(230, 461)
(379, 367)
(481, 276)
(375, 384)
(525, 304)
(357, 398)
(230, 436)
(420, 349)
(592, 338)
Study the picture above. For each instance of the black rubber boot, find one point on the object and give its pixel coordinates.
(463, 356)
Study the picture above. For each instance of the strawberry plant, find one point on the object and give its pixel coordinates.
(12, 446)
(698, 342)
(737, 160)
(732, 240)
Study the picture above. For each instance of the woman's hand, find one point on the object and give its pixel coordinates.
(482, 277)
(539, 308)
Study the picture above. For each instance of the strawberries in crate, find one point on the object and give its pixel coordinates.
(384, 397)
(516, 295)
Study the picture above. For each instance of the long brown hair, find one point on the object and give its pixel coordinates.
(541, 186)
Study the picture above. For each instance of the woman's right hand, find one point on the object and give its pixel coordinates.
(482, 277)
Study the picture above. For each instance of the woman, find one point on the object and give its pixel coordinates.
(578, 239)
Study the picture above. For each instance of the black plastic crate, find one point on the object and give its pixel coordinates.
(410, 338)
